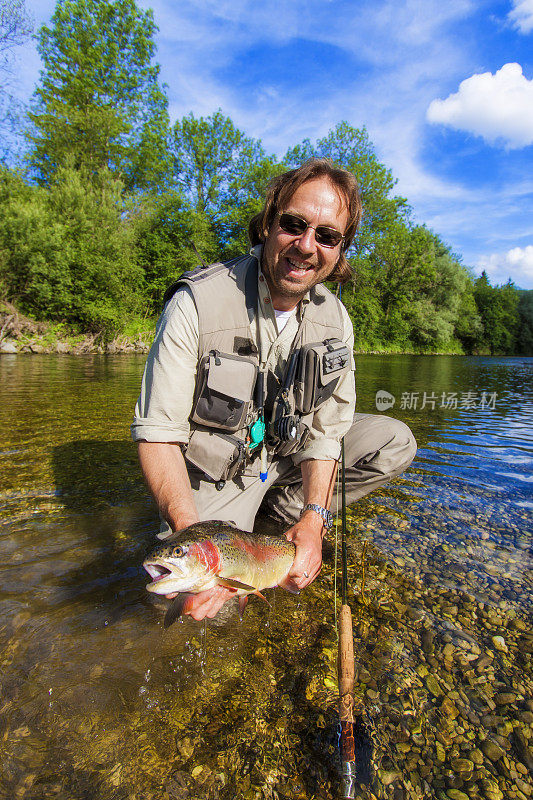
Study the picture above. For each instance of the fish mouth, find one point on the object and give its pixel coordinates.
(163, 578)
(157, 571)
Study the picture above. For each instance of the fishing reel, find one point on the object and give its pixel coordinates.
(286, 427)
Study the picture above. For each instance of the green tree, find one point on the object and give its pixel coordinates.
(497, 307)
(171, 238)
(67, 252)
(450, 311)
(223, 174)
(99, 103)
(524, 336)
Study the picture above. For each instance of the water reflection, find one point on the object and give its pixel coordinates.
(97, 701)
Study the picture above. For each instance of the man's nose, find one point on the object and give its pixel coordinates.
(306, 242)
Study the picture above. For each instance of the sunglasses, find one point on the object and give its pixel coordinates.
(327, 237)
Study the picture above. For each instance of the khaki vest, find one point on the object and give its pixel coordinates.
(226, 298)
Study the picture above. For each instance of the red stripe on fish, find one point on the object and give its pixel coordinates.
(211, 555)
(260, 553)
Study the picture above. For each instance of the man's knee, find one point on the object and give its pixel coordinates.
(403, 443)
(386, 443)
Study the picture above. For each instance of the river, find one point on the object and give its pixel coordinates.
(98, 701)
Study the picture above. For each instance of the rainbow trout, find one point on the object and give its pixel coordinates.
(214, 553)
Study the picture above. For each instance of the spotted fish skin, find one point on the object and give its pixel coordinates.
(214, 553)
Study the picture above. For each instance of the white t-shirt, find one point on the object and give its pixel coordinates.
(282, 317)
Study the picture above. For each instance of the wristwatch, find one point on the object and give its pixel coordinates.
(327, 516)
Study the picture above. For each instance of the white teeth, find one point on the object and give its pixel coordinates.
(299, 266)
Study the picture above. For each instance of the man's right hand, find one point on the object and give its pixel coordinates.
(205, 604)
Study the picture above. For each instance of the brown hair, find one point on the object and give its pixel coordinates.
(282, 188)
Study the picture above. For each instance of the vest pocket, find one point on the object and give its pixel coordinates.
(225, 387)
(218, 455)
(320, 366)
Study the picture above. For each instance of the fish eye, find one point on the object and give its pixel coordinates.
(179, 551)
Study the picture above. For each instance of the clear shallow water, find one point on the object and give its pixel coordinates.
(97, 701)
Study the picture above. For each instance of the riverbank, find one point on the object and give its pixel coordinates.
(21, 334)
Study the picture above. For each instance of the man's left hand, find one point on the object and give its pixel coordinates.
(307, 536)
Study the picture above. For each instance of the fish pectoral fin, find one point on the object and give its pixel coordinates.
(178, 606)
(243, 600)
(262, 596)
(231, 583)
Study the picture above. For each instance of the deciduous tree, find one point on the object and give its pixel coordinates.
(99, 103)
(497, 306)
(67, 252)
(223, 174)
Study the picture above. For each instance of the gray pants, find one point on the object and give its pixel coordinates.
(377, 448)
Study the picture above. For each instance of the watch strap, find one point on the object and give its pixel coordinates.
(327, 516)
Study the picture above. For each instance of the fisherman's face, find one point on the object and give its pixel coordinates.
(293, 263)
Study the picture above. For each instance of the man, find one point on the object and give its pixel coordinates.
(249, 385)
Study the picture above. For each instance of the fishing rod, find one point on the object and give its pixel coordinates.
(345, 662)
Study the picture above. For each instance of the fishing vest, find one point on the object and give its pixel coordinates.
(231, 393)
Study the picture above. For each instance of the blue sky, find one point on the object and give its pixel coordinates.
(444, 87)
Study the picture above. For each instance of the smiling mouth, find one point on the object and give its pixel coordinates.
(299, 266)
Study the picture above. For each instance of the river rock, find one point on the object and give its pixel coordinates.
(449, 708)
(389, 776)
(463, 766)
(492, 750)
(504, 698)
(433, 686)
(499, 644)
(456, 794)
(8, 347)
(427, 638)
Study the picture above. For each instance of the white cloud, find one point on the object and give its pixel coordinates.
(522, 15)
(516, 264)
(498, 106)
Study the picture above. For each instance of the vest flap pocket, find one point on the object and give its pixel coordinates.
(215, 454)
(231, 377)
(224, 391)
(335, 360)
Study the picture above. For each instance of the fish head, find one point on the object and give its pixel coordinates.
(180, 566)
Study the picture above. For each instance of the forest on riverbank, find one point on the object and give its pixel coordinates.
(111, 203)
